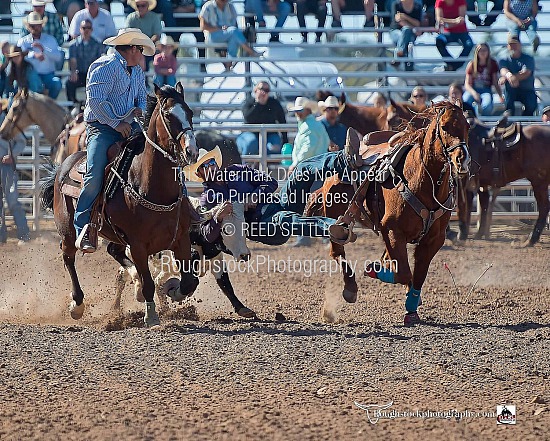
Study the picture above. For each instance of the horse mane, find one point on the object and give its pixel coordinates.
(413, 135)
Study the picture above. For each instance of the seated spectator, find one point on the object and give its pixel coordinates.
(189, 7)
(43, 53)
(281, 9)
(53, 25)
(83, 51)
(521, 15)
(219, 19)
(4, 61)
(68, 8)
(491, 15)
(146, 21)
(450, 16)
(339, 6)
(165, 63)
(481, 77)
(8, 182)
(317, 7)
(546, 115)
(517, 72)
(406, 15)
(262, 109)
(335, 129)
(456, 92)
(379, 100)
(101, 20)
(419, 97)
(21, 73)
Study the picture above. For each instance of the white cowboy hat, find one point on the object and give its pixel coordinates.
(131, 37)
(34, 19)
(331, 101)
(152, 3)
(166, 40)
(190, 171)
(302, 103)
(40, 2)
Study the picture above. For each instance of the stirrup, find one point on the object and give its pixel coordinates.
(83, 242)
(339, 230)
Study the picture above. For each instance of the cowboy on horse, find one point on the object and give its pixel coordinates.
(115, 94)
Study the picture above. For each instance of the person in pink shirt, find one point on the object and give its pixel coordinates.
(165, 63)
(450, 16)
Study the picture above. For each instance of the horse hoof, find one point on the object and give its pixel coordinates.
(246, 312)
(77, 311)
(411, 319)
(151, 318)
(349, 296)
(171, 289)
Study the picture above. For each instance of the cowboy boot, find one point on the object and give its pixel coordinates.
(351, 148)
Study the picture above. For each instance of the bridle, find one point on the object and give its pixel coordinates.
(17, 112)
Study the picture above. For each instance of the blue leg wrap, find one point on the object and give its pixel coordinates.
(386, 275)
(413, 297)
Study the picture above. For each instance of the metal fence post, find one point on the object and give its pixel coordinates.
(35, 178)
(262, 140)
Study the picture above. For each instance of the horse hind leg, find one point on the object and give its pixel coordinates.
(541, 195)
(76, 308)
(217, 266)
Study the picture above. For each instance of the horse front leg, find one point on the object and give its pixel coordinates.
(126, 273)
(423, 255)
(396, 269)
(219, 270)
(541, 195)
(76, 308)
(141, 261)
(338, 253)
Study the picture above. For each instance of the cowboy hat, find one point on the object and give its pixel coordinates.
(166, 40)
(34, 19)
(546, 109)
(40, 2)
(331, 101)
(302, 103)
(190, 171)
(152, 3)
(132, 37)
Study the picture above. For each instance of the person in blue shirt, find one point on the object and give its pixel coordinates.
(115, 93)
(335, 129)
(268, 221)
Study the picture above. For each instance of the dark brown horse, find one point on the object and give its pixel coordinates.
(529, 158)
(150, 214)
(412, 207)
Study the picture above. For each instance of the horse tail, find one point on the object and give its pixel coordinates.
(47, 185)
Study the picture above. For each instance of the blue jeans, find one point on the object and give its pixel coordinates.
(259, 7)
(34, 81)
(100, 138)
(161, 80)
(232, 36)
(401, 38)
(531, 30)
(51, 83)
(442, 40)
(276, 225)
(527, 97)
(248, 143)
(8, 182)
(486, 106)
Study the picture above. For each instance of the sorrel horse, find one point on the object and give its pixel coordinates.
(529, 158)
(151, 214)
(367, 119)
(413, 206)
(63, 131)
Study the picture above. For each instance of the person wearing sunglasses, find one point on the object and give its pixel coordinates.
(115, 85)
(419, 97)
(262, 109)
(103, 24)
(83, 51)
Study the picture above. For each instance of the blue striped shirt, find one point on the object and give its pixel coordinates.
(109, 81)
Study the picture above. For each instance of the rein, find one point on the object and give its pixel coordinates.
(14, 119)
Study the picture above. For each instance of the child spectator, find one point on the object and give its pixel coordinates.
(165, 63)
